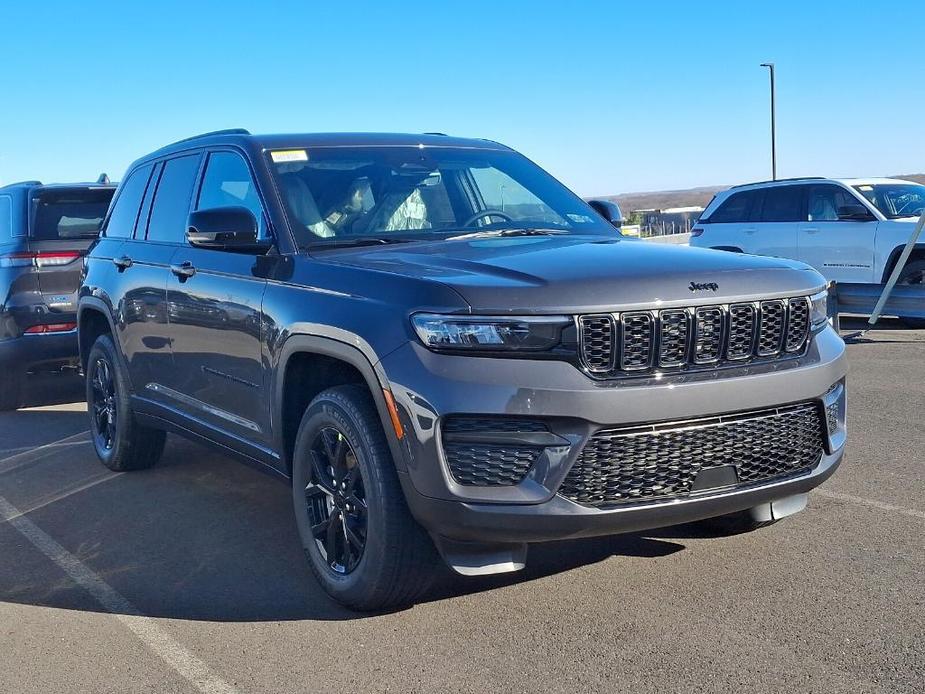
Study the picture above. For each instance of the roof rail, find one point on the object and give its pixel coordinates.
(22, 183)
(782, 180)
(228, 131)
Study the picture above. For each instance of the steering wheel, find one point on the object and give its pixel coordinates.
(488, 213)
(910, 201)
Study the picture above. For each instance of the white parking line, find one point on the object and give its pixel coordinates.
(873, 503)
(70, 491)
(145, 628)
(79, 437)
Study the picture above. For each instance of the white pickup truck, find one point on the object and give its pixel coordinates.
(850, 230)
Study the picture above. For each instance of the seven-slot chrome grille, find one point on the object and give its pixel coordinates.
(638, 341)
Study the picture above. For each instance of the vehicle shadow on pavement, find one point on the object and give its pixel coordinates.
(201, 537)
(53, 389)
(549, 558)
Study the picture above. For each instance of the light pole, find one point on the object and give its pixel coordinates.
(770, 67)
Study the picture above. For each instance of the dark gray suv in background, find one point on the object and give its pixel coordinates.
(446, 351)
(45, 231)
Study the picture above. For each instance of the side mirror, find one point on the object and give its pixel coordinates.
(609, 210)
(232, 229)
(857, 213)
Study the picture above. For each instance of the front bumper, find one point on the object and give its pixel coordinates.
(560, 519)
(427, 387)
(30, 352)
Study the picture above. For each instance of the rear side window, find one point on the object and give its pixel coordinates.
(734, 209)
(69, 213)
(170, 209)
(6, 218)
(124, 214)
(782, 204)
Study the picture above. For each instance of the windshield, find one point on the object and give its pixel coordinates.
(70, 214)
(341, 194)
(895, 200)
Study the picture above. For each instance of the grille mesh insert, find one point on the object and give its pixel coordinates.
(597, 342)
(636, 350)
(797, 324)
(489, 465)
(672, 344)
(770, 327)
(662, 461)
(708, 334)
(741, 331)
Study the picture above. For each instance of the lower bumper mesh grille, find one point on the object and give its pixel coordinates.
(662, 460)
(479, 455)
(484, 465)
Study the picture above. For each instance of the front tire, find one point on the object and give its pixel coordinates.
(362, 544)
(120, 442)
(913, 274)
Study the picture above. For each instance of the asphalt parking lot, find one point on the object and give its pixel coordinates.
(189, 577)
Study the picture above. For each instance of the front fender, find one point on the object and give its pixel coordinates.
(358, 353)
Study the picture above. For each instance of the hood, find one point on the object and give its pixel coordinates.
(551, 274)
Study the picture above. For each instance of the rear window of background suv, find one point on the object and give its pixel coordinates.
(69, 214)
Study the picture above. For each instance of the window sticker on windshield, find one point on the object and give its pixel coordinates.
(866, 189)
(286, 155)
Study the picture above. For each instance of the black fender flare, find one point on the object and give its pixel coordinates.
(97, 305)
(374, 376)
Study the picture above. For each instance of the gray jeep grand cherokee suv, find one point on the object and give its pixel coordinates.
(447, 352)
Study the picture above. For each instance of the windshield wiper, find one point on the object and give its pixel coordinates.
(507, 232)
(351, 242)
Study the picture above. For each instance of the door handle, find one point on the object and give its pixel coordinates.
(811, 230)
(750, 230)
(184, 270)
(123, 262)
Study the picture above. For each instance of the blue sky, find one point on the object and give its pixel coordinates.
(609, 96)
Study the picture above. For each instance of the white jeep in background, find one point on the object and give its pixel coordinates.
(850, 230)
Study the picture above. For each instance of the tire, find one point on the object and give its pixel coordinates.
(390, 560)
(913, 274)
(121, 443)
(11, 392)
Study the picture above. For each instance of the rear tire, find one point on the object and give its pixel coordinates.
(362, 544)
(120, 442)
(11, 392)
(913, 274)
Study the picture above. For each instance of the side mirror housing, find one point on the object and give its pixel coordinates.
(609, 210)
(232, 229)
(857, 213)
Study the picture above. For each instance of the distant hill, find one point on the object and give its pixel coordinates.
(690, 197)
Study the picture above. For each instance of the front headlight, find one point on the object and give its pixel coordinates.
(490, 333)
(819, 310)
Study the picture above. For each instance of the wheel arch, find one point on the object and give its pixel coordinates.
(918, 253)
(94, 319)
(342, 364)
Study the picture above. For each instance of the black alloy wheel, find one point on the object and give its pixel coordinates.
(336, 501)
(103, 405)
